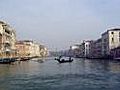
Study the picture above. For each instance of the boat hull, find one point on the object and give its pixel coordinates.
(64, 61)
(7, 60)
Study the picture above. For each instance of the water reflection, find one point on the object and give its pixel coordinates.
(50, 75)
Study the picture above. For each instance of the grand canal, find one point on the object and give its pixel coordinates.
(50, 75)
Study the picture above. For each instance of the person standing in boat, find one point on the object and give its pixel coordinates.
(60, 57)
(69, 58)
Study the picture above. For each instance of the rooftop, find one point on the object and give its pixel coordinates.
(114, 29)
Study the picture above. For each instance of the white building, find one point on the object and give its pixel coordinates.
(73, 47)
(85, 49)
(74, 50)
(110, 40)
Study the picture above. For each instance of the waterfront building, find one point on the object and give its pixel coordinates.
(36, 50)
(115, 53)
(43, 51)
(110, 40)
(74, 50)
(23, 49)
(96, 49)
(85, 49)
(82, 50)
(7, 41)
(27, 48)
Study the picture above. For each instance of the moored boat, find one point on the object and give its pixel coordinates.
(7, 60)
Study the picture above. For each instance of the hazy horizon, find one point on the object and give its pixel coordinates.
(60, 23)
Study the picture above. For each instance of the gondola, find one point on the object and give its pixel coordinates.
(63, 60)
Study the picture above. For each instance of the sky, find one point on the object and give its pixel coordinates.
(60, 23)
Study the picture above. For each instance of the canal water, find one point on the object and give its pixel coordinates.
(81, 74)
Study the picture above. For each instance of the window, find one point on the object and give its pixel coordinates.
(105, 47)
(112, 32)
(105, 40)
(112, 39)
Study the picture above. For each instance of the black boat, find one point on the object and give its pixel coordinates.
(7, 60)
(64, 59)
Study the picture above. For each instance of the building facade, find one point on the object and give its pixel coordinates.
(7, 41)
(22, 49)
(115, 53)
(110, 40)
(85, 49)
(28, 48)
(96, 49)
(74, 50)
(43, 51)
